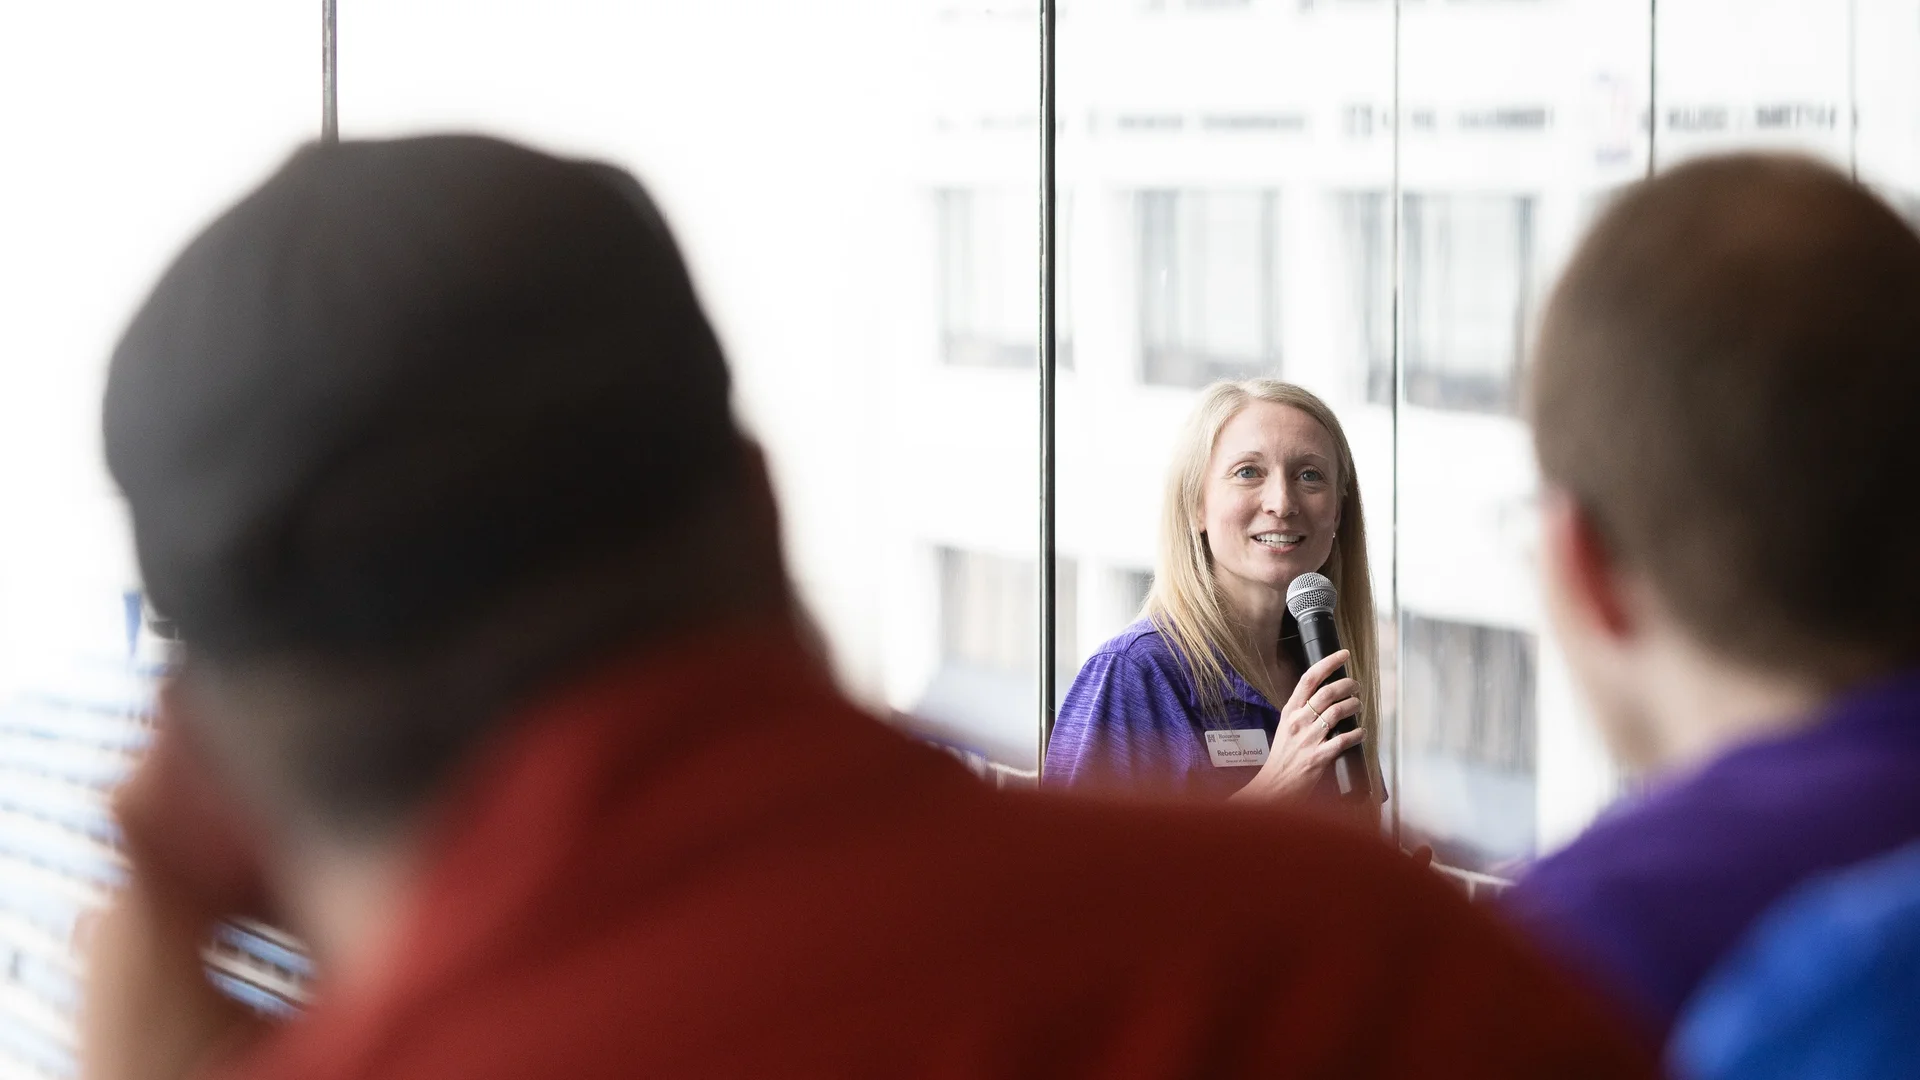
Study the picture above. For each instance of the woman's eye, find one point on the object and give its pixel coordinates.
(1247, 472)
(1311, 476)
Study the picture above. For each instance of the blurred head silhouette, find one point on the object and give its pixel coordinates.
(1723, 396)
(414, 429)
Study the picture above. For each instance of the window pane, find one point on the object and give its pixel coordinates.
(128, 126)
(1734, 75)
(1209, 285)
(1886, 45)
(853, 182)
(982, 695)
(1364, 295)
(1519, 119)
(1231, 168)
(1467, 276)
(989, 290)
(1470, 695)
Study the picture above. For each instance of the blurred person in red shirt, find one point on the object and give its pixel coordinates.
(495, 691)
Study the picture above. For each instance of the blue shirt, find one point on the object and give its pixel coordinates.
(1827, 985)
(1132, 722)
(1655, 894)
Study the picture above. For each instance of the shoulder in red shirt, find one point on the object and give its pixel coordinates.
(691, 865)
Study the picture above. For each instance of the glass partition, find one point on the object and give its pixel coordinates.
(1367, 197)
(1885, 89)
(1777, 75)
(860, 216)
(1518, 119)
(1230, 168)
(128, 125)
(126, 129)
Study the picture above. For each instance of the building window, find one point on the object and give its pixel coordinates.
(990, 611)
(982, 695)
(1365, 328)
(1468, 762)
(1209, 285)
(1132, 587)
(989, 279)
(1468, 261)
(1470, 693)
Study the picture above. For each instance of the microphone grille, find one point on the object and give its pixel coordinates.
(1310, 594)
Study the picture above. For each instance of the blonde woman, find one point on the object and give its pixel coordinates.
(1262, 490)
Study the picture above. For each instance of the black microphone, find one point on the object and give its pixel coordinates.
(1310, 599)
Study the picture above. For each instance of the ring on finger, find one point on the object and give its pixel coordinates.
(1321, 723)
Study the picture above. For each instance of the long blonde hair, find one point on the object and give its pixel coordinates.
(1184, 602)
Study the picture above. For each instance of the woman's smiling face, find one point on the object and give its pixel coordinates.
(1271, 501)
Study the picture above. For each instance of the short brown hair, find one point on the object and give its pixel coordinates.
(1728, 380)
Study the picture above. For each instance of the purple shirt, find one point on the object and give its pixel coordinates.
(1132, 722)
(1658, 890)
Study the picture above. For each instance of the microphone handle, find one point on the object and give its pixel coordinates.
(1319, 640)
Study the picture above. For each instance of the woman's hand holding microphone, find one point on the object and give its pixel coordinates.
(1301, 750)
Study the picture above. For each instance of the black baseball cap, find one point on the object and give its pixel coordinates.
(401, 378)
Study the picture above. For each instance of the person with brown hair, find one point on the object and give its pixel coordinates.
(1208, 694)
(496, 693)
(1723, 398)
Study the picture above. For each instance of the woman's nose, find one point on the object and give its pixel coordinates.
(1277, 500)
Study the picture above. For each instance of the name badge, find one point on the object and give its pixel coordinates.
(1246, 746)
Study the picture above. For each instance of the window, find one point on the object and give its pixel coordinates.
(1781, 80)
(986, 610)
(1365, 332)
(1209, 285)
(1468, 264)
(1470, 715)
(1131, 588)
(903, 222)
(989, 307)
(981, 697)
(1471, 692)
